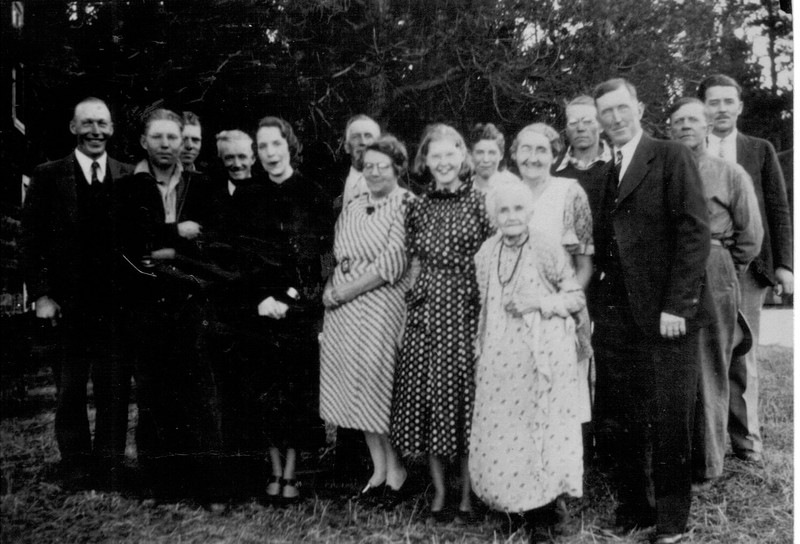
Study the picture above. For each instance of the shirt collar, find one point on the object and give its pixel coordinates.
(143, 166)
(85, 162)
(715, 140)
(603, 156)
(628, 149)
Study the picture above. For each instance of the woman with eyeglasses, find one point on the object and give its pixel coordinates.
(365, 313)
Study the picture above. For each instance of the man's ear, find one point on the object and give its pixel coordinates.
(73, 128)
(143, 141)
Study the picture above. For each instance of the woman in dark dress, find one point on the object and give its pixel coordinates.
(434, 379)
(284, 220)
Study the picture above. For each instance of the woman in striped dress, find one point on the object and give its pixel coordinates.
(365, 314)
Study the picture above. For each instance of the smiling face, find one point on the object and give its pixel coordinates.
(444, 160)
(620, 115)
(92, 127)
(379, 173)
(583, 131)
(689, 125)
(513, 211)
(724, 106)
(533, 156)
(192, 142)
(274, 154)
(162, 142)
(486, 154)
(238, 158)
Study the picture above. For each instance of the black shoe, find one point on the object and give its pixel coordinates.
(393, 497)
(445, 515)
(466, 517)
(750, 457)
(370, 495)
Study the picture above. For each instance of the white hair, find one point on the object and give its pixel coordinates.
(506, 186)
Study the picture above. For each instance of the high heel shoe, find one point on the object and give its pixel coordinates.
(370, 495)
(393, 497)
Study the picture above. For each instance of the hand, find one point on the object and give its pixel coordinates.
(518, 310)
(329, 299)
(672, 326)
(189, 229)
(47, 308)
(785, 285)
(272, 308)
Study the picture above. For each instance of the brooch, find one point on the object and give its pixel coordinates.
(345, 265)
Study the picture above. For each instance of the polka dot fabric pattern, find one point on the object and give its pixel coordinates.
(434, 380)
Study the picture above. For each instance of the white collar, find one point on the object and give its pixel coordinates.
(85, 162)
(731, 137)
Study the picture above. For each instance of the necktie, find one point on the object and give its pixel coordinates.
(618, 166)
(722, 148)
(95, 179)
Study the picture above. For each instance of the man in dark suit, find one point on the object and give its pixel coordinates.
(652, 242)
(164, 212)
(69, 246)
(772, 268)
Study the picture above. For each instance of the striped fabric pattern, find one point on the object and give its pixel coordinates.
(361, 338)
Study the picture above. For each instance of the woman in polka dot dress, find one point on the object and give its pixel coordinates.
(525, 441)
(434, 378)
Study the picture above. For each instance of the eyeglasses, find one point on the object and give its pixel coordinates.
(584, 122)
(383, 167)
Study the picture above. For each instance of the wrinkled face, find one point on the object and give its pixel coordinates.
(238, 158)
(273, 152)
(533, 156)
(92, 127)
(444, 160)
(360, 134)
(162, 142)
(379, 173)
(486, 155)
(192, 142)
(724, 107)
(513, 213)
(689, 125)
(620, 115)
(582, 130)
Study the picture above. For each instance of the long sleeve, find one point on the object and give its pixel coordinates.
(776, 205)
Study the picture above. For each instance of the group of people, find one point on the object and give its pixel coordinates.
(598, 299)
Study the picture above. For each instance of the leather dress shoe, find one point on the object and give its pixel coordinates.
(752, 457)
(370, 495)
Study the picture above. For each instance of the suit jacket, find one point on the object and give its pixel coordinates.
(660, 226)
(758, 157)
(50, 228)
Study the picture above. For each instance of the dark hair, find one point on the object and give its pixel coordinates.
(295, 147)
(552, 135)
(392, 148)
(612, 85)
(487, 131)
(717, 80)
(190, 118)
(681, 102)
(161, 114)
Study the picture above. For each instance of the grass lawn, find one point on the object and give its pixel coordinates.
(747, 505)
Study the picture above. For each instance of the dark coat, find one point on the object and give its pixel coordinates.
(758, 157)
(50, 240)
(660, 225)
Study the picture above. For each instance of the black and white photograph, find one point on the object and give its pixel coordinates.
(397, 271)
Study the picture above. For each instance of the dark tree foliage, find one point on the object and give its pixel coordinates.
(406, 62)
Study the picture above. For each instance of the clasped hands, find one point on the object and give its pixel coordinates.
(522, 304)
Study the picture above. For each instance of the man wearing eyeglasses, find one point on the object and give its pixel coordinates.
(587, 154)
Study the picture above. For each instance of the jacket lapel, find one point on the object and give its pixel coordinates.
(637, 169)
(68, 186)
(744, 151)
